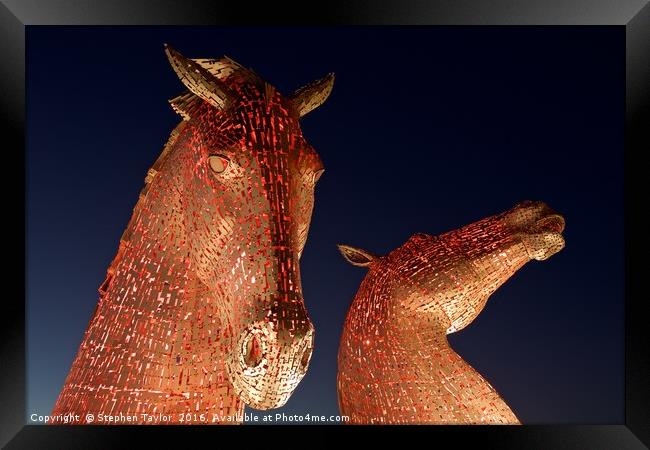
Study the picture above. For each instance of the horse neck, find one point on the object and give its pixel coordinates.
(152, 258)
(414, 376)
(451, 390)
(154, 311)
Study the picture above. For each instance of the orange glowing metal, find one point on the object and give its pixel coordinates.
(395, 363)
(202, 308)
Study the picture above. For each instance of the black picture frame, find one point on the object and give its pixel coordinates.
(634, 15)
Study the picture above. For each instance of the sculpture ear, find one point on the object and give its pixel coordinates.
(313, 95)
(356, 256)
(199, 80)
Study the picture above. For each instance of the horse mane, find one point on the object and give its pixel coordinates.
(151, 175)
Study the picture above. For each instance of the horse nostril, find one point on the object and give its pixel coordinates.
(553, 223)
(304, 360)
(253, 355)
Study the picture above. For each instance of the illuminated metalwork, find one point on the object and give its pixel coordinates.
(202, 308)
(395, 364)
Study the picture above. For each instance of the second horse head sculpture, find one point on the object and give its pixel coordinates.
(395, 364)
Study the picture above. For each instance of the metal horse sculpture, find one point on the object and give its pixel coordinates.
(202, 310)
(395, 364)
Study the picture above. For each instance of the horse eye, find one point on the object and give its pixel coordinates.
(318, 174)
(218, 163)
(421, 236)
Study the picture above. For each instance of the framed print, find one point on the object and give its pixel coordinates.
(199, 188)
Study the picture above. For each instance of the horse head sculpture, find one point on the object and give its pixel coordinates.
(395, 363)
(202, 308)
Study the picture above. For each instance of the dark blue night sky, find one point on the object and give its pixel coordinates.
(427, 129)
